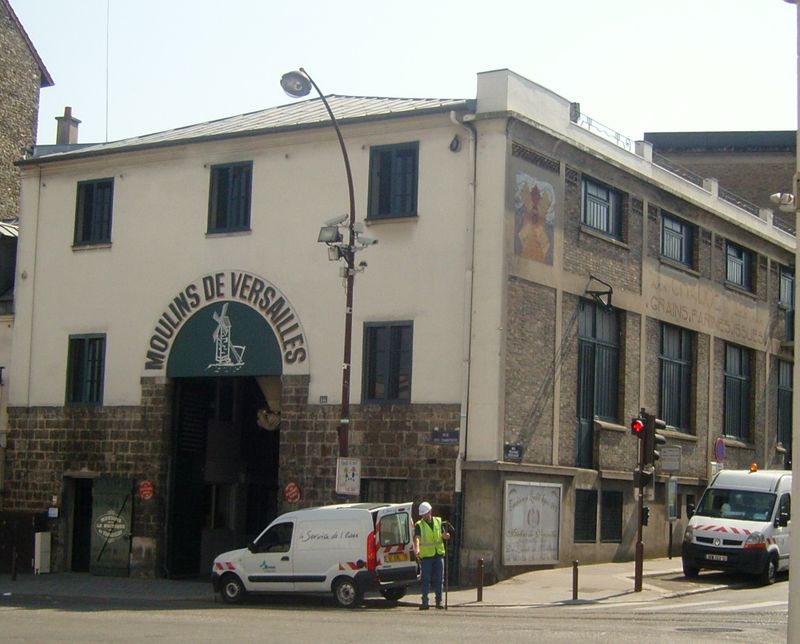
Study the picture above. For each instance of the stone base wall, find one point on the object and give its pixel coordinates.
(48, 444)
(392, 441)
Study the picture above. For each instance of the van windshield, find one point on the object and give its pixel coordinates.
(743, 505)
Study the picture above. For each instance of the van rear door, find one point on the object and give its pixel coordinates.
(394, 539)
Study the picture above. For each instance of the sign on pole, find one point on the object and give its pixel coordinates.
(670, 458)
(348, 476)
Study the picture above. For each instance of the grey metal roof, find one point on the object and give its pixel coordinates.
(308, 113)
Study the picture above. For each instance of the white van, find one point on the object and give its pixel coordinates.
(345, 549)
(741, 524)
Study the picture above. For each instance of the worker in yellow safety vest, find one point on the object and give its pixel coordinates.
(429, 538)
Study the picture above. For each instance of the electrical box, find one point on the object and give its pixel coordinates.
(41, 552)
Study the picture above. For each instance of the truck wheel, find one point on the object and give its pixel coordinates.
(767, 575)
(232, 589)
(690, 572)
(346, 593)
(394, 594)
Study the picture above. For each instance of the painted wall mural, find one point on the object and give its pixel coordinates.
(534, 218)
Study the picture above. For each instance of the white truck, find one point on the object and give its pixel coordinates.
(741, 524)
(348, 549)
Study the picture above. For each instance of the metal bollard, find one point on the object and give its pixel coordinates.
(480, 580)
(14, 563)
(575, 580)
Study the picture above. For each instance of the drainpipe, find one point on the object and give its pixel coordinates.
(3, 431)
(465, 122)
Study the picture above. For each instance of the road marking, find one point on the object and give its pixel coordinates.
(742, 607)
(611, 605)
(682, 606)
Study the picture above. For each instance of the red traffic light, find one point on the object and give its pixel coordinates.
(637, 427)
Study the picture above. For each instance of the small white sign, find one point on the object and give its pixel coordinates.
(670, 458)
(348, 476)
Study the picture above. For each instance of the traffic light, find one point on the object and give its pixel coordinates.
(652, 438)
(645, 515)
(637, 426)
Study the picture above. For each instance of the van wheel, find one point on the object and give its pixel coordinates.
(690, 572)
(346, 593)
(767, 575)
(232, 589)
(394, 594)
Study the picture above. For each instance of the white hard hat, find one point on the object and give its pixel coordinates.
(424, 508)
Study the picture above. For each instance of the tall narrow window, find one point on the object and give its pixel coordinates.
(598, 374)
(785, 381)
(677, 240)
(739, 267)
(229, 198)
(611, 516)
(387, 362)
(602, 208)
(585, 530)
(93, 212)
(393, 177)
(737, 392)
(86, 369)
(786, 299)
(676, 376)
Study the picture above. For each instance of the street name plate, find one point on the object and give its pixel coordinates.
(670, 458)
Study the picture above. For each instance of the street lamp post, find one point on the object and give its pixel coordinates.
(297, 84)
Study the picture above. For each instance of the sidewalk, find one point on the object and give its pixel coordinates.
(609, 582)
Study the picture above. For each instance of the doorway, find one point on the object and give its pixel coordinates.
(224, 474)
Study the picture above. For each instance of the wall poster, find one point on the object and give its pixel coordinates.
(531, 523)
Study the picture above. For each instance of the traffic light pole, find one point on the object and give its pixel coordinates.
(639, 554)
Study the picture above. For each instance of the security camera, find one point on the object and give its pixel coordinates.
(367, 241)
(335, 221)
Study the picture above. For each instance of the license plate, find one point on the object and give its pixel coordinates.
(397, 556)
(717, 557)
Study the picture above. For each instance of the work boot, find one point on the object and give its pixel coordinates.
(439, 605)
(424, 606)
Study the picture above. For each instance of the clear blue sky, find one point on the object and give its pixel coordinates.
(635, 65)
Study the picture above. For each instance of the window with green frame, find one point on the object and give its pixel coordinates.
(675, 358)
(393, 179)
(785, 386)
(611, 516)
(737, 392)
(585, 530)
(601, 208)
(86, 369)
(229, 197)
(93, 212)
(387, 361)
(739, 266)
(677, 240)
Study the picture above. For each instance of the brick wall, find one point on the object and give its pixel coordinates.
(19, 107)
(392, 441)
(47, 442)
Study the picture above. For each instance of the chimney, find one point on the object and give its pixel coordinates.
(67, 131)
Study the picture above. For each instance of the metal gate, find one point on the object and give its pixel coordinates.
(112, 503)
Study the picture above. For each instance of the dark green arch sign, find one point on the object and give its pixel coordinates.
(225, 339)
(228, 323)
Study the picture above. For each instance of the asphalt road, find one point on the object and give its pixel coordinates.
(740, 612)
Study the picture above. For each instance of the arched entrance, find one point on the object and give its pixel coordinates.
(226, 365)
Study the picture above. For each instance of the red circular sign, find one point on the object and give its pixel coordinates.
(291, 493)
(146, 490)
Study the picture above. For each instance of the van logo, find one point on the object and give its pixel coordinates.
(227, 356)
(717, 542)
(265, 566)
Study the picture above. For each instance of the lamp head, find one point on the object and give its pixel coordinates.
(296, 84)
(329, 235)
